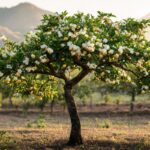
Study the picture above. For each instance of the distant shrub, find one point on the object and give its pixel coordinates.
(117, 101)
(40, 122)
(103, 124)
(108, 98)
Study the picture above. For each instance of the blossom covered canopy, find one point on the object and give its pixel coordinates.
(114, 50)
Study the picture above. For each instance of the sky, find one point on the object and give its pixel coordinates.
(121, 8)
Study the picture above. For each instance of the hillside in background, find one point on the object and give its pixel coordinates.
(9, 33)
(147, 17)
(16, 21)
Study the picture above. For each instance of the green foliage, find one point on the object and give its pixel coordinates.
(69, 47)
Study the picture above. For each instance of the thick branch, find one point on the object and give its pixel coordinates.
(60, 75)
(79, 77)
(126, 69)
(79, 63)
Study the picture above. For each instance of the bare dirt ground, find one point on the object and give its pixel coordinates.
(104, 127)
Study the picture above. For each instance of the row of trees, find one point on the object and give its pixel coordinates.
(69, 48)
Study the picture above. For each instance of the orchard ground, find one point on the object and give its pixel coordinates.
(106, 127)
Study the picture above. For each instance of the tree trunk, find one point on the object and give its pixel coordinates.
(132, 100)
(10, 101)
(52, 106)
(75, 135)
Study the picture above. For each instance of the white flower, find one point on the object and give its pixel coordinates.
(145, 87)
(59, 34)
(131, 50)
(32, 56)
(8, 66)
(26, 61)
(145, 54)
(107, 47)
(146, 73)
(82, 32)
(11, 54)
(62, 45)
(70, 34)
(69, 43)
(137, 53)
(91, 65)
(120, 50)
(50, 50)
(43, 46)
(82, 19)
(104, 51)
(19, 71)
(73, 26)
(37, 62)
(4, 55)
(88, 46)
(15, 78)
(111, 51)
(44, 60)
(99, 44)
(8, 79)
(133, 37)
(29, 69)
(1, 74)
(105, 40)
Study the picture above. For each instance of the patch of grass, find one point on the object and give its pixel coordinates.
(6, 141)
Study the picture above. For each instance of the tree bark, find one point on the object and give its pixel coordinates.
(75, 134)
(52, 106)
(132, 101)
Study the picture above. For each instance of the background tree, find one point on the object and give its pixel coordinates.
(82, 43)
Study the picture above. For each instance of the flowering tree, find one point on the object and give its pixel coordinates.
(71, 47)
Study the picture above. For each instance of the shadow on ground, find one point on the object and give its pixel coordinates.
(100, 145)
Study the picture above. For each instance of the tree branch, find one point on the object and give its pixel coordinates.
(79, 77)
(60, 75)
(126, 69)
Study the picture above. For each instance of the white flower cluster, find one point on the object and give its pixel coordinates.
(73, 26)
(43, 59)
(91, 65)
(1, 74)
(7, 53)
(75, 50)
(26, 61)
(121, 49)
(19, 72)
(71, 34)
(89, 46)
(30, 69)
(47, 49)
(9, 66)
(145, 87)
(59, 33)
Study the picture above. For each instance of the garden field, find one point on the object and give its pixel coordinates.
(106, 127)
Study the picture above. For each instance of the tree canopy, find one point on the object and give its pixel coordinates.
(65, 43)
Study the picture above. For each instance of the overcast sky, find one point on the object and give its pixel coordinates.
(121, 8)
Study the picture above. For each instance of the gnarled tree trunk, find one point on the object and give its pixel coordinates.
(75, 134)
